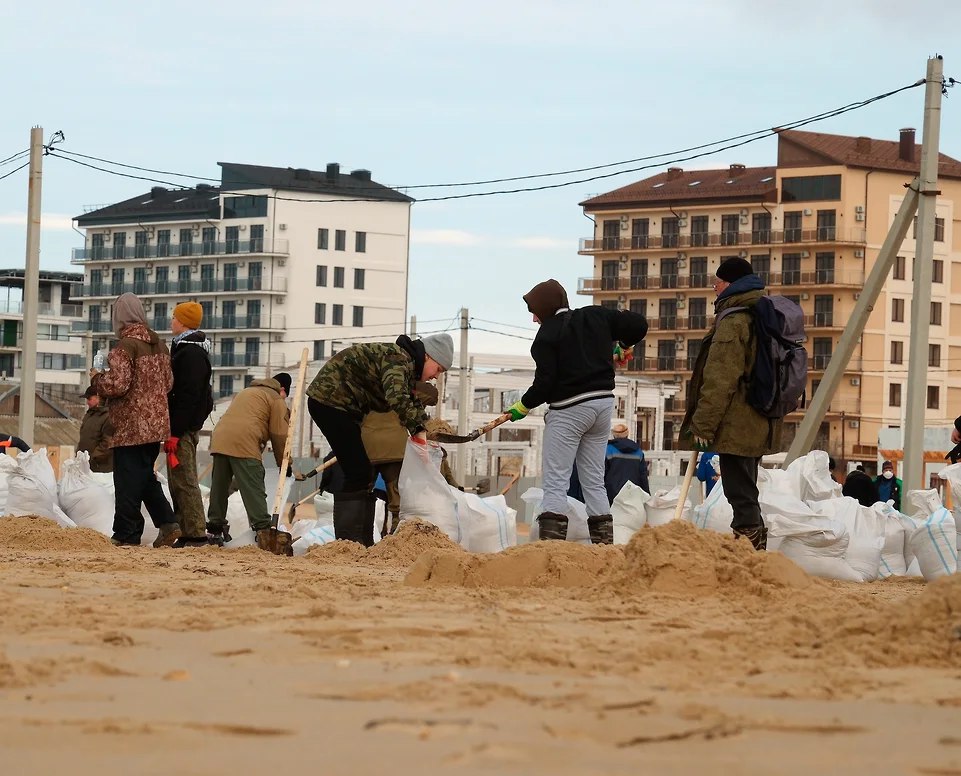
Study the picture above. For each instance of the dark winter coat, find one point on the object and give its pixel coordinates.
(625, 463)
(191, 399)
(95, 433)
(861, 487)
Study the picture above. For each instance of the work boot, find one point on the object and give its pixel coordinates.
(756, 536)
(193, 541)
(167, 536)
(275, 541)
(552, 526)
(394, 521)
(354, 516)
(218, 533)
(601, 528)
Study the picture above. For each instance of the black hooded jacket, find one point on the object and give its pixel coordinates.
(191, 398)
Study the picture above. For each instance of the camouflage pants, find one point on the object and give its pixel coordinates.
(185, 490)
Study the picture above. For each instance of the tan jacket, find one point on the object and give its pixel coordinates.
(95, 432)
(385, 439)
(257, 415)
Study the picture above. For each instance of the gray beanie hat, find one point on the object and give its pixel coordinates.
(440, 347)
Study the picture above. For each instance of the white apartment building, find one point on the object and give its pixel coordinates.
(60, 361)
(279, 258)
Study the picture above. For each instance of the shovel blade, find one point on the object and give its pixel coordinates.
(452, 439)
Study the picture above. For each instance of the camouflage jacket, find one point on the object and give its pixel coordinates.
(372, 377)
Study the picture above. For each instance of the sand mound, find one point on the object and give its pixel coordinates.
(680, 558)
(413, 539)
(541, 564)
(336, 552)
(33, 532)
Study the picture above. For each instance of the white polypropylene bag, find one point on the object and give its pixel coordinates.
(662, 505)
(28, 495)
(85, 501)
(37, 464)
(8, 465)
(628, 510)
(577, 530)
(324, 508)
(934, 544)
(424, 493)
(786, 481)
(893, 562)
(816, 481)
(309, 533)
(488, 523)
(716, 513)
(865, 529)
(952, 475)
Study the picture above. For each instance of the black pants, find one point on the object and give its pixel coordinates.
(739, 475)
(134, 482)
(343, 436)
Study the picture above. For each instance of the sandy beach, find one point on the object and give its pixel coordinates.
(681, 653)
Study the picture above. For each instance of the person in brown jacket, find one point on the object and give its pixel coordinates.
(95, 432)
(256, 416)
(136, 382)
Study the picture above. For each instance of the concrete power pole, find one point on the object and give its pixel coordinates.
(31, 291)
(462, 409)
(913, 475)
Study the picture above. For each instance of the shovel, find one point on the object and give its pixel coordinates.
(454, 439)
(483, 486)
(686, 486)
(316, 470)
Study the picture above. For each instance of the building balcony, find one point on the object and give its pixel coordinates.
(214, 323)
(243, 361)
(253, 285)
(820, 277)
(823, 321)
(263, 246)
(605, 283)
(818, 362)
(15, 307)
(768, 237)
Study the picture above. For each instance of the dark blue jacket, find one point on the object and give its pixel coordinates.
(625, 462)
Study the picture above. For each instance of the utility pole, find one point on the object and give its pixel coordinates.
(31, 291)
(463, 385)
(913, 475)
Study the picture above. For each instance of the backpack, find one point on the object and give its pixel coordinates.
(779, 378)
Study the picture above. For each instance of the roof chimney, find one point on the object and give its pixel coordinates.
(863, 145)
(736, 169)
(300, 174)
(906, 145)
(673, 173)
(361, 175)
(333, 171)
(157, 191)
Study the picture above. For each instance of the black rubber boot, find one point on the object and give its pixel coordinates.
(354, 516)
(756, 536)
(552, 526)
(601, 528)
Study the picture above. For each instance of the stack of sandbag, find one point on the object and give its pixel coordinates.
(662, 505)
(8, 465)
(32, 488)
(893, 561)
(931, 538)
(629, 512)
(491, 526)
(577, 530)
(952, 475)
(715, 512)
(865, 530)
(86, 501)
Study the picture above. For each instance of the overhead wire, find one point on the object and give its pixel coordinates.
(15, 169)
(14, 157)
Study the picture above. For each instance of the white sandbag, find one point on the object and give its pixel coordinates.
(37, 464)
(424, 493)
(324, 507)
(893, 562)
(934, 544)
(104, 480)
(28, 495)
(786, 481)
(628, 509)
(865, 529)
(817, 544)
(85, 501)
(661, 506)
(952, 475)
(490, 525)
(816, 481)
(577, 530)
(921, 503)
(716, 512)
(8, 465)
(309, 533)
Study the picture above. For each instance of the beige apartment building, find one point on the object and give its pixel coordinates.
(812, 227)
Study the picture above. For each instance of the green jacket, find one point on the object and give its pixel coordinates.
(371, 377)
(717, 408)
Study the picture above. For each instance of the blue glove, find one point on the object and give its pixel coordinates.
(517, 411)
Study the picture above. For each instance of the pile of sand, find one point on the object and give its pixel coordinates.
(541, 564)
(33, 532)
(683, 559)
(413, 539)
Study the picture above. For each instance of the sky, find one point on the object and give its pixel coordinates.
(448, 91)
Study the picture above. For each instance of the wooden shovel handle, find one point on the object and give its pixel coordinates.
(486, 429)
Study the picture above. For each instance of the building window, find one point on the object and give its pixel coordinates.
(160, 319)
(670, 232)
(638, 273)
(186, 242)
(668, 273)
(229, 310)
(934, 397)
(937, 271)
(253, 314)
(250, 206)
(900, 266)
(699, 272)
(162, 275)
(338, 277)
(897, 352)
(256, 244)
(209, 239)
(666, 355)
(119, 245)
(252, 351)
(791, 269)
(340, 240)
(163, 243)
(762, 266)
(140, 280)
(255, 275)
(761, 228)
(359, 278)
(319, 349)
(823, 310)
(792, 226)
(208, 280)
(938, 229)
(321, 274)
(358, 316)
(207, 314)
(226, 385)
(822, 352)
(337, 317)
(230, 277)
(667, 314)
(810, 188)
(227, 357)
(640, 231)
(934, 355)
(827, 225)
(729, 229)
(697, 313)
(693, 350)
(935, 313)
(320, 313)
(611, 231)
(360, 242)
(897, 310)
(116, 281)
(232, 239)
(323, 239)
(824, 267)
(183, 279)
(638, 306)
(894, 395)
(609, 304)
(96, 246)
(699, 227)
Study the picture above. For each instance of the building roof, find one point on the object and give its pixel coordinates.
(677, 186)
(864, 152)
(14, 277)
(357, 183)
(159, 204)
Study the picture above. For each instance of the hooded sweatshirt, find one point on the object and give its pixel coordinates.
(191, 398)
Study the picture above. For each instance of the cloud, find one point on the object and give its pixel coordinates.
(544, 243)
(59, 222)
(444, 237)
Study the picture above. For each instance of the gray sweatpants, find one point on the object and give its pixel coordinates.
(576, 433)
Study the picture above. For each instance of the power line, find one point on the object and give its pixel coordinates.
(502, 333)
(508, 325)
(15, 156)
(17, 169)
(135, 167)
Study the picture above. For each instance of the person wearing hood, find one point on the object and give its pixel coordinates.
(365, 378)
(190, 402)
(136, 384)
(573, 354)
(719, 417)
(625, 463)
(95, 433)
(889, 486)
(257, 415)
(860, 486)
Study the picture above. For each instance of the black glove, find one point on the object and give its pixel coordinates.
(290, 470)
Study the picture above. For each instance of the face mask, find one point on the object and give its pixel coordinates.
(887, 475)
